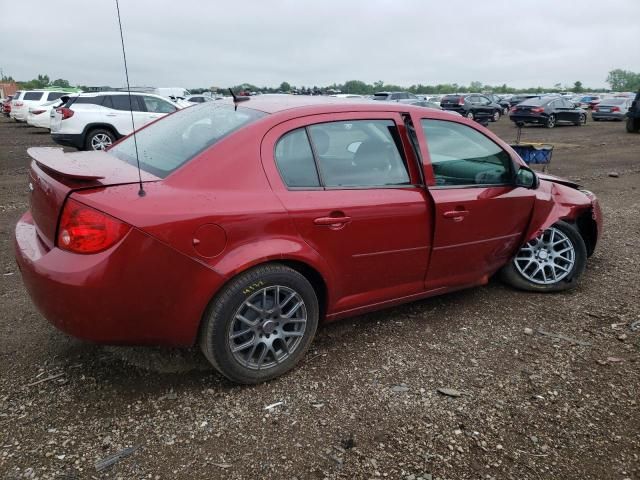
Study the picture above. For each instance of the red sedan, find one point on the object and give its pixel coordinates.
(257, 221)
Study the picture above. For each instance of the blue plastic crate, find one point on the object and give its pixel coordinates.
(534, 154)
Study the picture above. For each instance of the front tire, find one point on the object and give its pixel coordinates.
(99, 139)
(633, 125)
(582, 120)
(470, 115)
(496, 116)
(551, 262)
(261, 324)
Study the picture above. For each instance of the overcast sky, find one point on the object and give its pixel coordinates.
(191, 43)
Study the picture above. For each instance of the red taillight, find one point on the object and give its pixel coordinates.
(66, 112)
(614, 109)
(18, 104)
(513, 109)
(537, 110)
(83, 229)
(37, 112)
(461, 101)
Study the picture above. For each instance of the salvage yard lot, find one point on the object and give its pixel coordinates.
(364, 403)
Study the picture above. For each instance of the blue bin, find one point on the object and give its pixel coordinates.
(534, 154)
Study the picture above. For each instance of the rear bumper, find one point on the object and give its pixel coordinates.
(69, 139)
(528, 119)
(138, 292)
(608, 116)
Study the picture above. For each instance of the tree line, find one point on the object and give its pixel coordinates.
(619, 81)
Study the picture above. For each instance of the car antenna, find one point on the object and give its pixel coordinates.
(236, 98)
(141, 192)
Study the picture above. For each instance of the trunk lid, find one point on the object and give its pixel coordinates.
(54, 174)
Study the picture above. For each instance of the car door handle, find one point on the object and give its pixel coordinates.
(334, 222)
(456, 214)
(111, 114)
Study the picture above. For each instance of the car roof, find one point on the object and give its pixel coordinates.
(320, 104)
(97, 94)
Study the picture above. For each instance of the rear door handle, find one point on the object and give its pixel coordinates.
(335, 222)
(456, 214)
(111, 114)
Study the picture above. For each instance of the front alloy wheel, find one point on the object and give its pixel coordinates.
(261, 324)
(552, 261)
(496, 116)
(470, 115)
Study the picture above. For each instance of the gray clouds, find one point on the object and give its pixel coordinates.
(199, 44)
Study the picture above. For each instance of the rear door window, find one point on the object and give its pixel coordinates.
(462, 156)
(55, 95)
(295, 161)
(121, 102)
(359, 153)
(33, 96)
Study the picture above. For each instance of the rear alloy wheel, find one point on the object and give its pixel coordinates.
(99, 139)
(496, 116)
(470, 115)
(261, 324)
(551, 262)
(551, 121)
(505, 111)
(582, 120)
(633, 125)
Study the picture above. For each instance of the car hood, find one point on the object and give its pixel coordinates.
(561, 181)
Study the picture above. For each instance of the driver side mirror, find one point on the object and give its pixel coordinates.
(527, 178)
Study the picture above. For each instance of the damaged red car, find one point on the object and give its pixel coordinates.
(254, 222)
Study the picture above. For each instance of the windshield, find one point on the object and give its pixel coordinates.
(173, 141)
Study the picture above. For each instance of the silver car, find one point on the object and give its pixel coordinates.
(615, 108)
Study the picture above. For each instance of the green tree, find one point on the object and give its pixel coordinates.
(623, 80)
(285, 87)
(577, 87)
(60, 82)
(475, 87)
(356, 86)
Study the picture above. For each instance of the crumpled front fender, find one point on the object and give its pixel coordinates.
(555, 201)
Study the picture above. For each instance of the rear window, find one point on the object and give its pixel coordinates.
(535, 101)
(32, 96)
(171, 142)
(613, 101)
(381, 96)
(450, 98)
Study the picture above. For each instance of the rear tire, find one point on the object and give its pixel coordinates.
(496, 116)
(582, 120)
(260, 324)
(470, 115)
(99, 139)
(552, 262)
(551, 121)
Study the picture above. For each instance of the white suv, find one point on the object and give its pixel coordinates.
(31, 98)
(93, 121)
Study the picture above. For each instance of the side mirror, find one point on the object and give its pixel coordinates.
(527, 178)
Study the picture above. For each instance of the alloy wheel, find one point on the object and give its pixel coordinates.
(551, 121)
(100, 141)
(268, 327)
(547, 259)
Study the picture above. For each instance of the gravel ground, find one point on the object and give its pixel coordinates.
(462, 386)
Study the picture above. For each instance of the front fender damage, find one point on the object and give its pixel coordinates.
(556, 201)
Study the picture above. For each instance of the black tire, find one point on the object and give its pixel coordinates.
(520, 124)
(470, 115)
(505, 111)
(582, 120)
(511, 275)
(93, 137)
(220, 318)
(633, 125)
(551, 121)
(496, 116)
